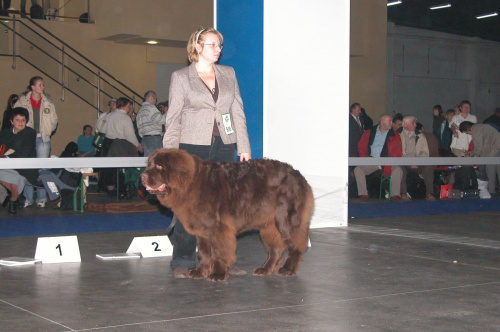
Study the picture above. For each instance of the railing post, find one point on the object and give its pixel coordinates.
(14, 52)
(98, 92)
(62, 74)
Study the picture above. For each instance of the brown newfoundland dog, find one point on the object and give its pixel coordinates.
(215, 201)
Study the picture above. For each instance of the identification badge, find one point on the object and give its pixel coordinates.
(226, 120)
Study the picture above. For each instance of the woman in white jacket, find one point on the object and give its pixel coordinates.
(42, 118)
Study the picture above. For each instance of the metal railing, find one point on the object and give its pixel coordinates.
(63, 64)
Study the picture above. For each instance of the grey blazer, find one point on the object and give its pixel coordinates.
(192, 110)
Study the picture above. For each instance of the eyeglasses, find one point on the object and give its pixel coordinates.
(214, 46)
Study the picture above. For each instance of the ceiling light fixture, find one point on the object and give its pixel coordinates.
(152, 42)
(487, 15)
(392, 3)
(444, 5)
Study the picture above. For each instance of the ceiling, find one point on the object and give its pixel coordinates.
(459, 19)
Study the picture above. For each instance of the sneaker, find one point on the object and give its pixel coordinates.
(40, 204)
(27, 204)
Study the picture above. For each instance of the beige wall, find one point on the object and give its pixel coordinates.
(133, 64)
(368, 55)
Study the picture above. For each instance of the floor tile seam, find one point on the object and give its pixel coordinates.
(294, 306)
(435, 237)
(413, 256)
(37, 315)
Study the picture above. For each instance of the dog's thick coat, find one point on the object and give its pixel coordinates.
(216, 201)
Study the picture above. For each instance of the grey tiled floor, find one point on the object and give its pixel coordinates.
(397, 274)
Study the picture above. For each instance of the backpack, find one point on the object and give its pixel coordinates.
(465, 178)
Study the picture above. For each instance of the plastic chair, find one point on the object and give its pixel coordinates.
(384, 179)
(83, 192)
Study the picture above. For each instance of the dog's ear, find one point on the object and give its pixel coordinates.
(176, 166)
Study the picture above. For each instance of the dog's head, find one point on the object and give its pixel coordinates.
(167, 170)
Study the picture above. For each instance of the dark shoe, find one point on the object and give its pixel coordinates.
(430, 197)
(13, 207)
(363, 197)
(6, 201)
(181, 272)
(236, 271)
(396, 199)
(405, 198)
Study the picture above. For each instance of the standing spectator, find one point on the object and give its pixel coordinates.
(437, 117)
(5, 7)
(366, 120)
(494, 119)
(486, 144)
(443, 131)
(42, 118)
(149, 124)
(460, 141)
(397, 122)
(84, 142)
(20, 143)
(206, 119)
(355, 129)
(7, 114)
(380, 141)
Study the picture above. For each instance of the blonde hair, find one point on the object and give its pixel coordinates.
(198, 37)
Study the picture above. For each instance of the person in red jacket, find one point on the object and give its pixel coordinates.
(380, 141)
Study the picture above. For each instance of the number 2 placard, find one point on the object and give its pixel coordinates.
(151, 246)
(60, 249)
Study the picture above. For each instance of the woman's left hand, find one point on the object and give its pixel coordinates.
(245, 157)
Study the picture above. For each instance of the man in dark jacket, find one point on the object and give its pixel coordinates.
(355, 129)
(443, 132)
(380, 141)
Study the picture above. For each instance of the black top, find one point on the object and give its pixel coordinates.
(24, 145)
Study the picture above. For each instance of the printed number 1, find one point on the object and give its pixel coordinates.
(60, 250)
(157, 245)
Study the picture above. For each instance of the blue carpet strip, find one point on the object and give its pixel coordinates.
(78, 224)
(422, 207)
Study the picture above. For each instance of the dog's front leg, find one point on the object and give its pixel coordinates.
(204, 268)
(223, 252)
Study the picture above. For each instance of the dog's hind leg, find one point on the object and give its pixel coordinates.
(223, 244)
(204, 268)
(297, 240)
(274, 244)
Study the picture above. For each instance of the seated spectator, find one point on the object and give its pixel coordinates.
(437, 117)
(443, 131)
(414, 144)
(20, 142)
(486, 144)
(380, 141)
(85, 147)
(397, 122)
(494, 119)
(460, 141)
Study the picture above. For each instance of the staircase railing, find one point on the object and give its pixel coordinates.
(63, 64)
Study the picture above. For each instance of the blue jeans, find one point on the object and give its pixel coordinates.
(42, 151)
(151, 143)
(184, 253)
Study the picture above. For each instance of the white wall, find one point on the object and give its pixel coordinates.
(306, 95)
(425, 68)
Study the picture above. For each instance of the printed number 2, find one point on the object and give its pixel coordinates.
(157, 245)
(60, 250)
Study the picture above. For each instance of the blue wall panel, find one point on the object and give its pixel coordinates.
(241, 24)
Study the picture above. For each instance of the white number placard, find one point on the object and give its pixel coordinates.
(151, 246)
(60, 249)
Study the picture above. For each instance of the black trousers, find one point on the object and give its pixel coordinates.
(184, 253)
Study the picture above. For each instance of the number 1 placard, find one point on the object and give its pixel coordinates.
(60, 249)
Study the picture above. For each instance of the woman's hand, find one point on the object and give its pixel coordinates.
(245, 157)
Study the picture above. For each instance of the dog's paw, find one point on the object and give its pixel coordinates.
(218, 276)
(196, 274)
(262, 272)
(285, 272)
